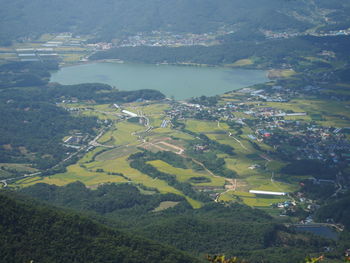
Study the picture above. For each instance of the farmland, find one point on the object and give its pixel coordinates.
(247, 157)
(108, 162)
(184, 175)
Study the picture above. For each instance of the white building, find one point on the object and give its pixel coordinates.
(129, 113)
(267, 193)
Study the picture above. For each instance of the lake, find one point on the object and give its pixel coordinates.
(323, 231)
(180, 82)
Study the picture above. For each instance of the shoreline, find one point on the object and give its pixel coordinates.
(269, 72)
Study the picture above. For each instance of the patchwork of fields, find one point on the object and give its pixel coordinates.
(108, 162)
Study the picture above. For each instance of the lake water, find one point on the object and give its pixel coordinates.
(322, 231)
(181, 82)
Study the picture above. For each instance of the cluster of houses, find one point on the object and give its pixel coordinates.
(158, 39)
(100, 46)
(288, 136)
(308, 141)
(76, 141)
(285, 34)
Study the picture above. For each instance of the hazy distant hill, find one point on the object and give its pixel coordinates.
(108, 18)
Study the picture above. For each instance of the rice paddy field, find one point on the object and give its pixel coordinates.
(108, 162)
(122, 133)
(75, 173)
(204, 126)
(323, 108)
(251, 199)
(184, 175)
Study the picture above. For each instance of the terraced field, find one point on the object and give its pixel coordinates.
(250, 199)
(184, 175)
(75, 173)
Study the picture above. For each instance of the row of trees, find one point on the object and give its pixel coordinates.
(139, 162)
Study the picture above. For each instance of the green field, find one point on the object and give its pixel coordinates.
(121, 134)
(332, 114)
(74, 173)
(165, 205)
(250, 199)
(183, 175)
(204, 126)
(98, 166)
(121, 165)
(27, 168)
(241, 63)
(116, 153)
(88, 157)
(88, 174)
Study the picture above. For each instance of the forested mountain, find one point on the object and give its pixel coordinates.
(336, 211)
(211, 229)
(108, 19)
(34, 233)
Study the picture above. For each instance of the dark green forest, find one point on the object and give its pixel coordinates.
(212, 229)
(30, 232)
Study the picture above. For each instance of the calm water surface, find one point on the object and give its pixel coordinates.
(322, 231)
(181, 82)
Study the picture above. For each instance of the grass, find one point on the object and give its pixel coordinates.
(286, 106)
(241, 63)
(333, 114)
(258, 178)
(165, 205)
(88, 157)
(74, 173)
(241, 166)
(204, 126)
(122, 134)
(262, 202)
(157, 108)
(264, 183)
(72, 57)
(19, 167)
(99, 115)
(116, 153)
(283, 73)
(121, 165)
(183, 175)
(250, 199)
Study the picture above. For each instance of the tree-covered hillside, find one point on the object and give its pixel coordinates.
(34, 233)
(108, 19)
(232, 229)
(268, 53)
(33, 125)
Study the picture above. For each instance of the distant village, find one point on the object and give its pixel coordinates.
(275, 35)
(62, 43)
(305, 139)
